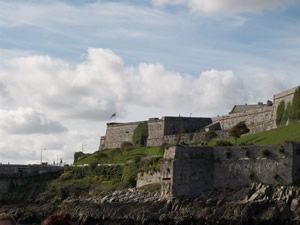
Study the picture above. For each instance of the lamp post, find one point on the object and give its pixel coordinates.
(82, 147)
(42, 149)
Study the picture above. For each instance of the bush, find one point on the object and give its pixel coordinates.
(223, 143)
(210, 135)
(129, 175)
(265, 152)
(251, 175)
(281, 150)
(93, 165)
(126, 146)
(140, 134)
(238, 130)
(227, 154)
(275, 176)
(245, 143)
(247, 153)
(191, 136)
(163, 147)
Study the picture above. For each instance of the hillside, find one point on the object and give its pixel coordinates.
(281, 135)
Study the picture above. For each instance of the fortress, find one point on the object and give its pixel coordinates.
(186, 171)
(259, 117)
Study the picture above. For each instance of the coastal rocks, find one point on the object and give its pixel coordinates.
(258, 204)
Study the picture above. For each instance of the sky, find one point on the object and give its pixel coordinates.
(66, 66)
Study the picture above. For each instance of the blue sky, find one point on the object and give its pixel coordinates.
(66, 66)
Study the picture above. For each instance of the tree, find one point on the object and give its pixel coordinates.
(238, 130)
(295, 109)
(210, 135)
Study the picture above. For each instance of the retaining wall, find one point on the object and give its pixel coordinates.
(197, 169)
(146, 178)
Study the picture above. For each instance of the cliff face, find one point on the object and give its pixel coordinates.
(259, 204)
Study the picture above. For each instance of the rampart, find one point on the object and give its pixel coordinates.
(12, 176)
(188, 171)
(260, 117)
(257, 120)
(117, 133)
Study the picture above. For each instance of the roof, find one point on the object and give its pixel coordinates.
(243, 108)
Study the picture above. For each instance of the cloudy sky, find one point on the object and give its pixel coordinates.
(67, 66)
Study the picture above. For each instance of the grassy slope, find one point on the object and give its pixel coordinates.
(115, 156)
(275, 136)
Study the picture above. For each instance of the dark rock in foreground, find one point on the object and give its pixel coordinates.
(259, 204)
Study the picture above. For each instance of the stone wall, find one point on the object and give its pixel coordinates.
(173, 125)
(117, 133)
(146, 178)
(257, 120)
(188, 171)
(155, 132)
(12, 176)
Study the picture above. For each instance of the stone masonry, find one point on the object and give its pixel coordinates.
(188, 171)
(260, 117)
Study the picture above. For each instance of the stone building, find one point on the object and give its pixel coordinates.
(258, 117)
(158, 130)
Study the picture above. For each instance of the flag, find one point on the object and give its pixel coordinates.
(113, 115)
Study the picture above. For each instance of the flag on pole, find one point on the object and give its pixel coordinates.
(113, 115)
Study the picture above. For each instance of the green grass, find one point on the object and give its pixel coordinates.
(117, 156)
(281, 135)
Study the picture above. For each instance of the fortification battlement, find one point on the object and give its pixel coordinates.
(259, 118)
(189, 171)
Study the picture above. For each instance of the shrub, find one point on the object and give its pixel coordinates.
(129, 175)
(140, 134)
(210, 135)
(245, 143)
(238, 130)
(191, 136)
(78, 156)
(93, 165)
(163, 147)
(247, 153)
(275, 176)
(126, 146)
(265, 152)
(281, 150)
(227, 154)
(223, 143)
(251, 175)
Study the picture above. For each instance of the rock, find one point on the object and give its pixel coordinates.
(294, 205)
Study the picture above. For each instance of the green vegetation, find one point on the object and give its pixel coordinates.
(295, 108)
(280, 113)
(265, 152)
(251, 175)
(210, 135)
(238, 130)
(289, 113)
(290, 133)
(223, 143)
(140, 134)
(227, 154)
(117, 156)
(151, 188)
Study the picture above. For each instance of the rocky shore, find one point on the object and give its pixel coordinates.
(257, 204)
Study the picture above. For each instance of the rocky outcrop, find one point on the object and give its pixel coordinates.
(257, 204)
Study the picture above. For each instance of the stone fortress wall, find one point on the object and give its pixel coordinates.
(258, 119)
(188, 171)
(17, 175)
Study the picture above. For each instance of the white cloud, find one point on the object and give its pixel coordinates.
(102, 84)
(229, 6)
(27, 121)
